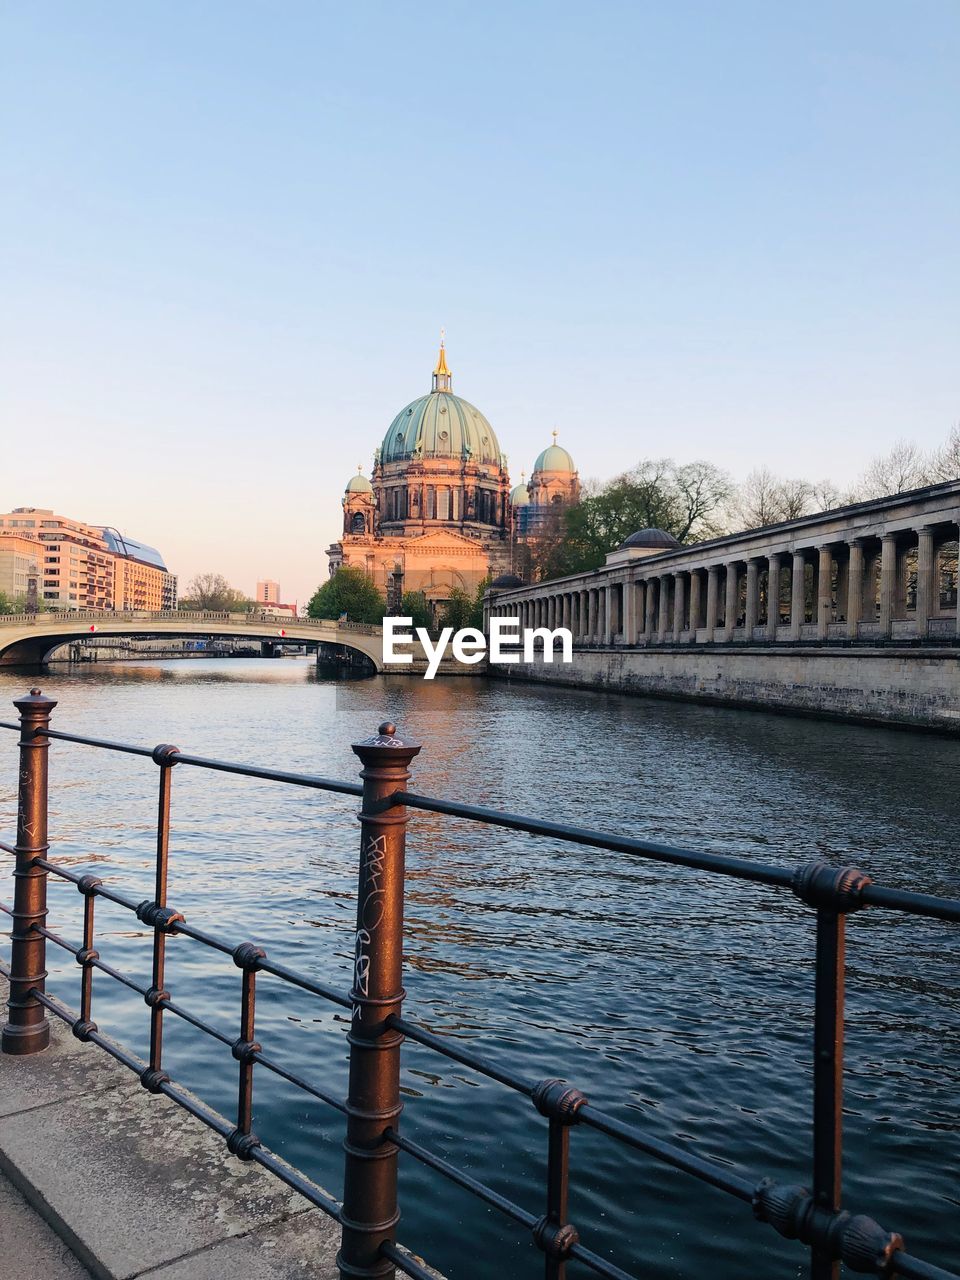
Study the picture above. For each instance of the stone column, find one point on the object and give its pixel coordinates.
(797, 594)
(854, 587)
(651, 612)
(773, 596)
(615, 607)
(679, 605)
(584, 632)
(713, 574)
(608, 615)
(924, 579)
(591, 614)
(888, 581)
(663, 621)
(753, 597)
(695, 589)
(824, 591)
(733, 595)
(630, 590)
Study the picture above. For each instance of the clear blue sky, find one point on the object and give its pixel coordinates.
(230, 233)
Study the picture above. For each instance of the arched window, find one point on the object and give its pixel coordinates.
(358, 524)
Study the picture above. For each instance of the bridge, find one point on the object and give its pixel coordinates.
(28, 638)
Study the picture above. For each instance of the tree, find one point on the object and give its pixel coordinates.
(904, 467)
(764, 499)
(415, 605)
(458, 610)
(211, 592)
(686, 501)
(349, 591)
(945, 463)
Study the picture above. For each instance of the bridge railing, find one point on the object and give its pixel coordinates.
(254, 617)
(368, 1211)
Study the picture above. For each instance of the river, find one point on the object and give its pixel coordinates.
(679, 1001)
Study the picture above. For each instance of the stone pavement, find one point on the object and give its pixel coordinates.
(24, 1235)
(133, 1185)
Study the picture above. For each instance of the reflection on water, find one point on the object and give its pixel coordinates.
(678, 1000)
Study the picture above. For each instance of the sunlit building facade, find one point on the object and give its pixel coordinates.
(84, 566)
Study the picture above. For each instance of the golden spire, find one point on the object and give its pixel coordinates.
(442, 358)
(555, 434)
(442, 378)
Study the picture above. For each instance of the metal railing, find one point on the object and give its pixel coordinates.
(368, 1213)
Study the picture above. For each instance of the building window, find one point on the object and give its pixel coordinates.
(443, 504)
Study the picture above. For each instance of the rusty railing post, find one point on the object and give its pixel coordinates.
(27, 1029)
(370, 1214)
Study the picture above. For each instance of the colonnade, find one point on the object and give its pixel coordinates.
(901, 583)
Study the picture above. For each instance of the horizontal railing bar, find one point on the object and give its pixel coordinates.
(55, 937)
(5, 909)
(598, 1264)
(408, 1265)
(105, 744)
(7, 848)
(301, 1084)
(491, 1197)
(309, 1190)
(705, 1170)
(722, 864)
(311, 780)
(919, 904)
(307, 984)
(198, 935)
(208, 939)
(479, 1189)
(272, 775)
(55, 868)
(4, 969)
(904, 1264)
(477, 1063)
(216, 1122)
(742, 868)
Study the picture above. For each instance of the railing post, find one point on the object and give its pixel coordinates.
(27, 1029)
(370, 1214)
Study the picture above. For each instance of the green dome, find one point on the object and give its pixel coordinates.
(441, 425)
(520, 496)
(358, 484)
(554, 458)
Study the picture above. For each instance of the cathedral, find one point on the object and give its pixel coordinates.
(438, 511)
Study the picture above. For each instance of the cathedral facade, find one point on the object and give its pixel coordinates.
(438, 511)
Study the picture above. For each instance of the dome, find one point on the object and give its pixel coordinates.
(358, 484)
(651, 539)
(507, 580)
(520, 495)
(441, 425)
(554, 458)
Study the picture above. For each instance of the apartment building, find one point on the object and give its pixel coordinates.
(84, 566)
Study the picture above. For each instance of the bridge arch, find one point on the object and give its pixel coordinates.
(27, 639)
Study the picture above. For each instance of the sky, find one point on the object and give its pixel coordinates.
(230, 234)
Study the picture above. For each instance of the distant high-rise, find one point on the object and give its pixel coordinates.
(268, 592)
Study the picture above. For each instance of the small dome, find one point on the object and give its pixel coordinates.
(520, 495)
(507, 580)
(554, 458)
(655, 539)
(358, 484)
